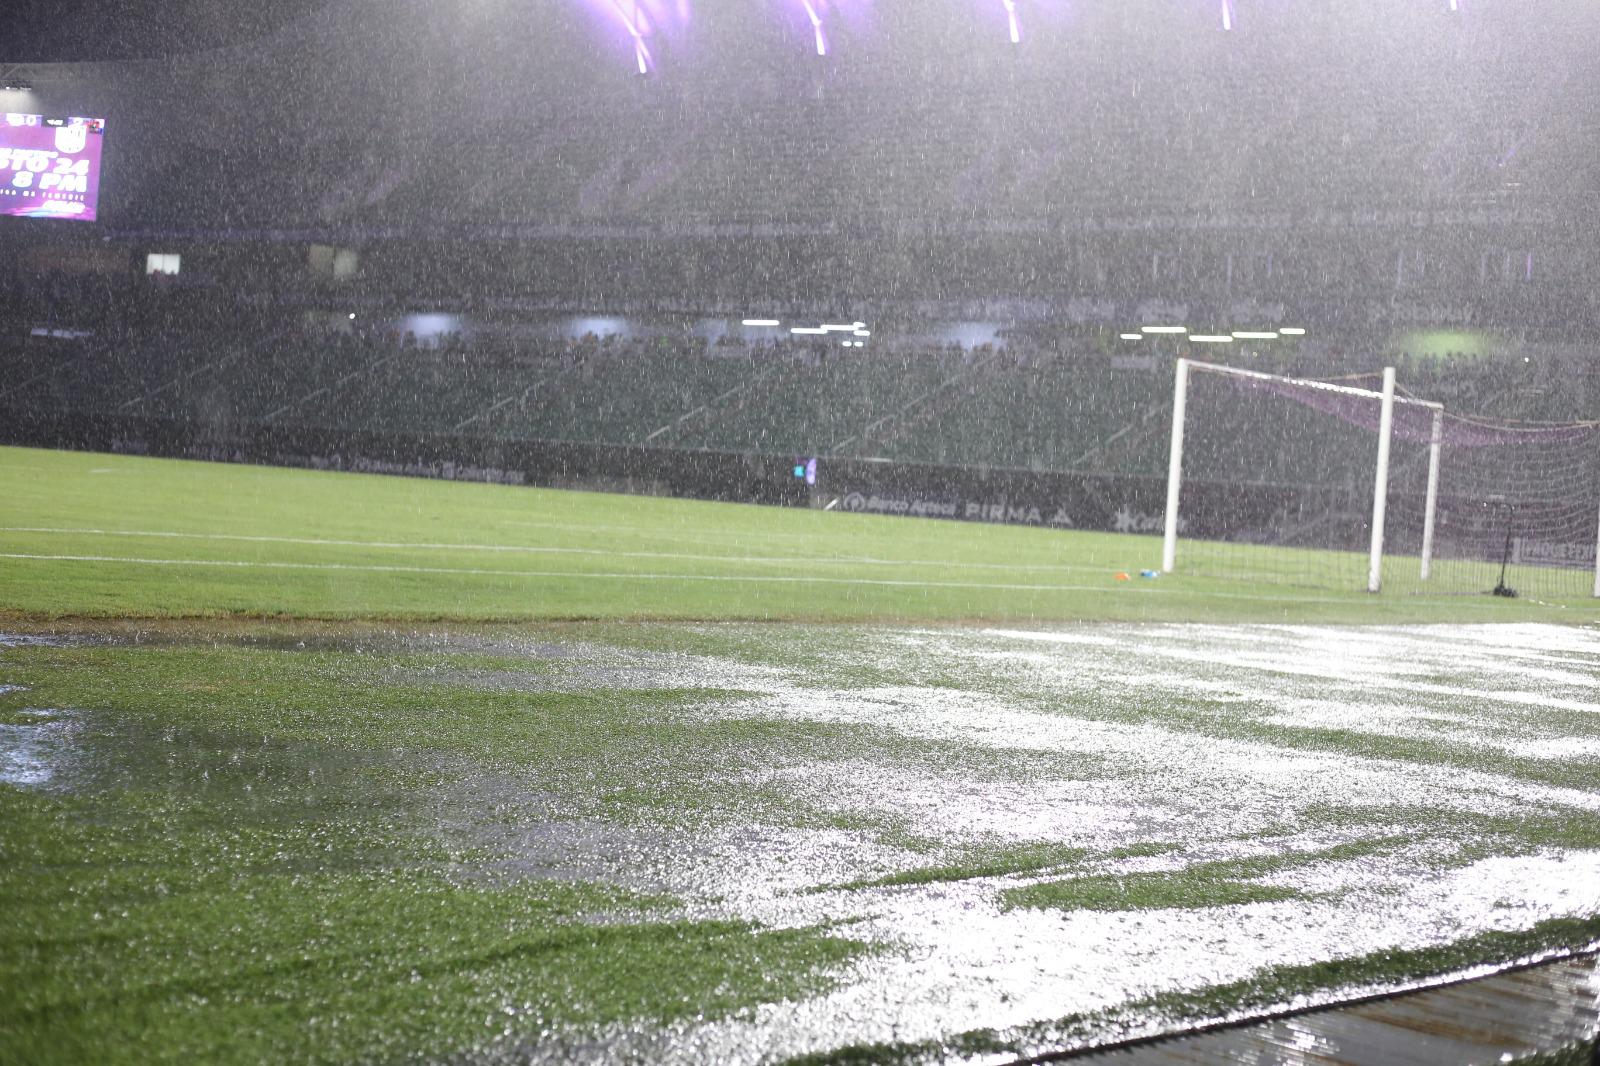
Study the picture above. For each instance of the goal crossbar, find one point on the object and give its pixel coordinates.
(1308, 383)
(1387, 400)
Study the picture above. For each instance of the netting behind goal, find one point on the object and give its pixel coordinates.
(1279, 476)
(1517, 508)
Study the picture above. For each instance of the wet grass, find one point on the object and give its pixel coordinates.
(1572, 1055)
(992, 860)
(1145, 891)
(119, 537)
(1280, 985)
(482, 831)
(644, 752)
(252, 967)
(179, 894)
(607, 738)
(241, 861)
(1274, 989)
(1207, 884)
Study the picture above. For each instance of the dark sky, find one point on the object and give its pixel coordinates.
(54, 31)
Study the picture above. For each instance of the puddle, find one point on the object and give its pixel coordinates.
(29, 640)
(1095, 738)
(34, 754)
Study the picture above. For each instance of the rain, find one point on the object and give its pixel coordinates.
(796, 531)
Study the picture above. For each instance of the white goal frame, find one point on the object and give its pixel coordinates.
(1380, 490)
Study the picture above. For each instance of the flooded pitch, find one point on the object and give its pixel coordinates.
(924, 843)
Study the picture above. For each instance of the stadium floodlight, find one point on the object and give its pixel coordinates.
(1011, 17)
(837, 328)
(863, 333)
(762, 322)
(1133, 336)
(1247, 335)
(809, 331)
(1209, 338)
(1164, 329)
(816, 27)
(1292, 331)
(628, 12)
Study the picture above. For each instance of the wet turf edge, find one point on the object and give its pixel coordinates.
(1272, 991)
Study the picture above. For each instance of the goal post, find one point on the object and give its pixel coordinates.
(1431, 506)
(1372, 411)
(1380, 483)
(1180, 399)
(1294, 480)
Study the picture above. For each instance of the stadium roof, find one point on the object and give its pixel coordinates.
(67, 31)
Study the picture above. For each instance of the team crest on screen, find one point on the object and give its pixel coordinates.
(72, 139)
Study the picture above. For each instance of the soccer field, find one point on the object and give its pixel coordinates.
(107, 536)
(327, 768)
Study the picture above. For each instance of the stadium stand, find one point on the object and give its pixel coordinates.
(1072, 406)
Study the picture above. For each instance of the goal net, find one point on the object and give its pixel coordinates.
(1331, 485)
(1515, 508)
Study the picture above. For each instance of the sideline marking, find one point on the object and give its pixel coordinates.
(536, 550)
(740, 578)
(579, 574)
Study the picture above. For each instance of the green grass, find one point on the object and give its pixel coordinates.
(250, 864)
(274, 825)
(355, 768)
(219, 540)
(1273, 989)
(994, 860)
(1206, 884)
(167, 957)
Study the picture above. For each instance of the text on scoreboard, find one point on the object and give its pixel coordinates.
(49, 166)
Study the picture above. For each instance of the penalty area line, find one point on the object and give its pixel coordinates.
(533, 549)
(753, 579)
(780, 579)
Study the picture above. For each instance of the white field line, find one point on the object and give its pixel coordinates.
(769, 559)
(252, 564)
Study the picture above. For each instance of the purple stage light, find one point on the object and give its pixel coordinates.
(1227, 14)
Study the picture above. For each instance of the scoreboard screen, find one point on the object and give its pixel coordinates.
(50, 166)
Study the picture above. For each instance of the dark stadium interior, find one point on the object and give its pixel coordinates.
(1371, 171)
